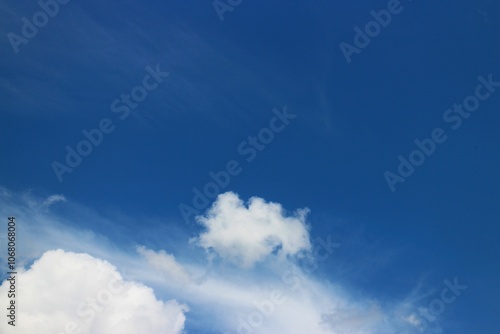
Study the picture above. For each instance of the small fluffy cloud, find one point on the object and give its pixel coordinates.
(166, 265)
(246, 235)
(66, 292)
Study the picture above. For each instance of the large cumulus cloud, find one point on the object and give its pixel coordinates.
(66, 292)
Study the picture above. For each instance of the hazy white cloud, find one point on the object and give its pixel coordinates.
(246, 235)
(35, 202)
(165, 264)
(53, 199)
(360, 320)
(414, 320)
(56, 290)
(67, 292)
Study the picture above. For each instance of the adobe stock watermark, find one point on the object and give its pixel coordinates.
(438, 305)
(88, 309)
(222, 6)
(293, 279)
(454, 117)
(249, 149)
(29, 28)
(363, 37)
(122, 107)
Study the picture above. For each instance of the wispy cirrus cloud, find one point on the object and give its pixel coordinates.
(166, 265)
(277, 294)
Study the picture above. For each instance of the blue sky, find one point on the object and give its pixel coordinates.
(349, 121)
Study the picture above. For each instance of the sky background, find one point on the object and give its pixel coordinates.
(352, 121)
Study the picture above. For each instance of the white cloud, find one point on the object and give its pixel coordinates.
(35, 202)
(166, 265)
(414, 320)
(247, 235)
(53, 199)
(220, 297)
(67, 292)
(356, 320)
